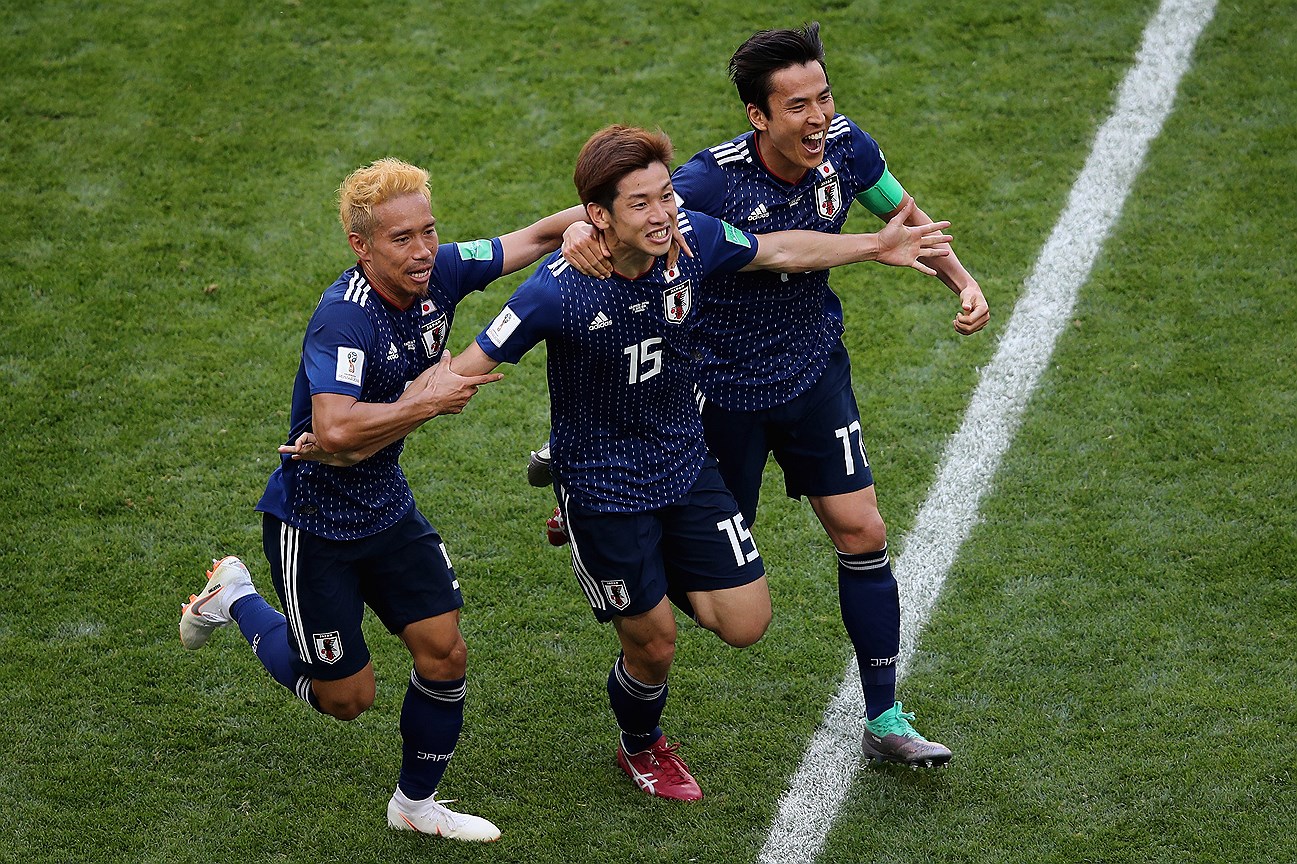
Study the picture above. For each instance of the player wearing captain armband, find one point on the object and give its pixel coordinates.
(649, 520)
(769, 362)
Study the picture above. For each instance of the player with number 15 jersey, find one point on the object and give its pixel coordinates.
(647, 513)
(627, 437)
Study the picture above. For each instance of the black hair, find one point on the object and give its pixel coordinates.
(765, 53)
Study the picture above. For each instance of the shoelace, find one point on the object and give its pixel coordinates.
(668, 754)
(442, 802)
(901, 726)
(907, 730)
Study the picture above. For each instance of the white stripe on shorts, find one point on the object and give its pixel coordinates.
(589, 585)
(289, 541)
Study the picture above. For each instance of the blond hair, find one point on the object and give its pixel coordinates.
(372, 185)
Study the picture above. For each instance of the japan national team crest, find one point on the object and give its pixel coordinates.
(828, 192)
(328, 646)
(615, 591)
(676, 302)
(432, 328)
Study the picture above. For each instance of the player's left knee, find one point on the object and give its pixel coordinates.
(745, 633)
(346, 703)
(739, 631)
(865, 534)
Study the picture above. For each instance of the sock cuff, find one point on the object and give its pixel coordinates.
(633, 686)
(304, 692)
(864, 561)
(241, 601)
(633, 744)
(442, 691)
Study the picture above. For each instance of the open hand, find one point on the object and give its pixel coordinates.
(904, 245)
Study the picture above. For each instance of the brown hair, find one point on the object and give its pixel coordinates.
(612, 153)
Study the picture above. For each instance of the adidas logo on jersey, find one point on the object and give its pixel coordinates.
(392, 353)
(600, 321)
(760, 213)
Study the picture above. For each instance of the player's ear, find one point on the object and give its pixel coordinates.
(757, 118)
(358, 245)
(598, 215)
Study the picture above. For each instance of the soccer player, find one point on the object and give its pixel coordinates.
(340, 527)
(648, 516)
(768, 356)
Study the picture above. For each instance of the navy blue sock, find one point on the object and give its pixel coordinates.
(637, 707)
(871, 611)
(267, 632)
(431, 718)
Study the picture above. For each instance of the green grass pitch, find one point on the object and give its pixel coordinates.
(1112, 656)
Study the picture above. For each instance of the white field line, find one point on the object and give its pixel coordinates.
(817, 791)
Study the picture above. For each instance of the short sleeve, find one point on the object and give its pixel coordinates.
(532, 315)
(463, 268)
(867, 162)
(337, 348)
(722, 247)
(700, 184)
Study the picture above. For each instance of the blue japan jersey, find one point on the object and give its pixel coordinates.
(763, 338)
(626, 436)
(357, 344)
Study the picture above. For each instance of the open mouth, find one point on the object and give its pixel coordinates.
(814, 143)
(661, 235)
(420, 275)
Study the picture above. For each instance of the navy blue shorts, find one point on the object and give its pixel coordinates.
(626, 562)
(815, 438)
(403, 573)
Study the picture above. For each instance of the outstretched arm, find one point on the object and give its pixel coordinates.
(898, 244)
(473, 361)
(586, 250)
(526, 246)
(974, 311)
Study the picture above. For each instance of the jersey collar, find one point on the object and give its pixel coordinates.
(756, 146)
(387, 298)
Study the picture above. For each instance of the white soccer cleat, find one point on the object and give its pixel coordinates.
(431, 816)
(227, 581)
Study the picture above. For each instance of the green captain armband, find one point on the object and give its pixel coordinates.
(884, 196)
